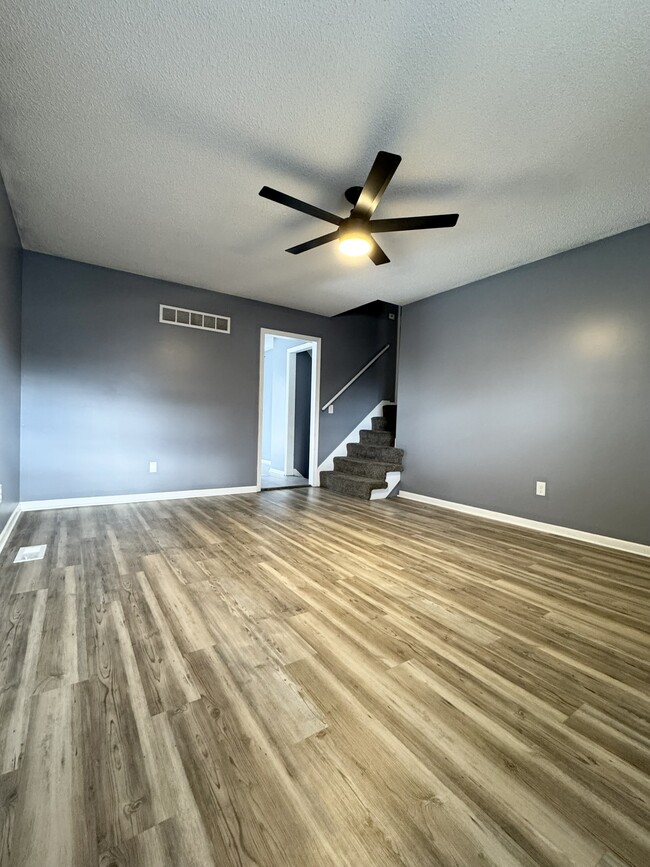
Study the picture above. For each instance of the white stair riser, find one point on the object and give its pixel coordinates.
(392, 480)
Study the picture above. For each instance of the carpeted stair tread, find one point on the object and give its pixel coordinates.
(387, 421)
(380, 423)
(377, 437)
(353, 486)
(365, 468)
(385, 454)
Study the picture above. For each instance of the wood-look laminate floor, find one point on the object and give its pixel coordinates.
(296, 678)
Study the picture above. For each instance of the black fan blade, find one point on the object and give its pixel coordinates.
(381, 172)
(317, 242)
(297, 205)
(407, 224)
(377, 254)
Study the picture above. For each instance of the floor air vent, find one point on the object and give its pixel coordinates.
(194, 319)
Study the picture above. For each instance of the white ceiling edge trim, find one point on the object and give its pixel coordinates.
(529, 524)
(522, 264)
(176, 283)
(10, 203)
(257, 300)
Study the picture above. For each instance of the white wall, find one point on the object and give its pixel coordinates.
(267, 407)
(274, 417)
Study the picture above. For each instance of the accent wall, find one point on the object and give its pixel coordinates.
(108, 388)
(541, 373)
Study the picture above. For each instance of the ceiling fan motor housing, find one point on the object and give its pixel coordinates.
(352, 194)
(354, 227)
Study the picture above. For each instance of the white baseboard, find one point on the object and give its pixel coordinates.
(353, 437)
(9, 526)
(74, 502)
(392, 480)
(528, 524)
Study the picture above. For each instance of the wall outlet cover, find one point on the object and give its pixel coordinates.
(32, 552)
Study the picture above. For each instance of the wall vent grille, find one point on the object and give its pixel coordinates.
(194, 319)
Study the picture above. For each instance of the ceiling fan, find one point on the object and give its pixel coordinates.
(354, 233)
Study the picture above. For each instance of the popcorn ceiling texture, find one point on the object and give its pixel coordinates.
(137, 134)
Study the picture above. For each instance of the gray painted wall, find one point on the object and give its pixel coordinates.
(106, 388)
(9, 359)
(543, 373)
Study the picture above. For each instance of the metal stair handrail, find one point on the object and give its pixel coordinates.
(355, 377)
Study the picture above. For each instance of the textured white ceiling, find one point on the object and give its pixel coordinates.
(137, 133)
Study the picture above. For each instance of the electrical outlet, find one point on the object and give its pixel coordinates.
(153, 466)
(330, 408)
(540, 489)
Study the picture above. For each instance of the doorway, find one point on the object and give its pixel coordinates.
(288, 416)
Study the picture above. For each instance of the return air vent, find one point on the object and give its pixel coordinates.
(194, 319)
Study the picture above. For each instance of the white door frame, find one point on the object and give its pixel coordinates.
(289, 468)
(315, 343)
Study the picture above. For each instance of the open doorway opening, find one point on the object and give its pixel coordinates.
(289, 394)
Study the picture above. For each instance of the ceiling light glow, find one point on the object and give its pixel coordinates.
(355, 245)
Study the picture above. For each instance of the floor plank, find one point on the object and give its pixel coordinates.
(51, 827)
(302, 679)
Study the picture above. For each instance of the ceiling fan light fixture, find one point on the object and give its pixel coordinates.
(355, 234)
(355, 245)
(354, 240)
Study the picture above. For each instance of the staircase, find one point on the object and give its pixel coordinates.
(366, 472)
